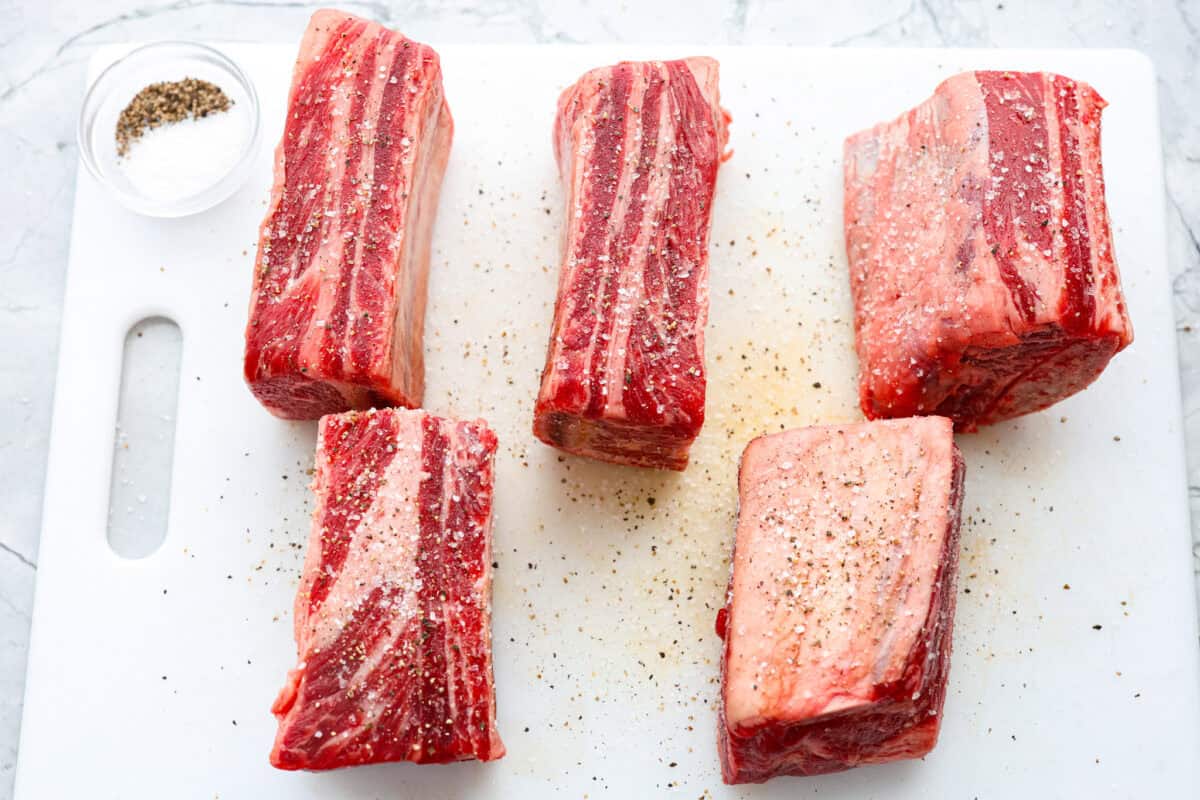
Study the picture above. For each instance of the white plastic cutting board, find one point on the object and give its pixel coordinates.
(153, 678)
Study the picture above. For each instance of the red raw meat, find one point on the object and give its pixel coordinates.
(393, 614)
(980, 255)
(337, 313)
(638, 145)
(838, 624)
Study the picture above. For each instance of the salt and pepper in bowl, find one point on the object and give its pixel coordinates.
(171, 129)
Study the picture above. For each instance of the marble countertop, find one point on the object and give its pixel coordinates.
(44, 48)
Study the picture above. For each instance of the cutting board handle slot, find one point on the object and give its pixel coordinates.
(143, 448)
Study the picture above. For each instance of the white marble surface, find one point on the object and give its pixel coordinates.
(44, 47)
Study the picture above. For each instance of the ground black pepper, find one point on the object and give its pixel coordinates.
(167, 102)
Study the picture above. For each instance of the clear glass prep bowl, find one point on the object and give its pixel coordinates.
(124, 78)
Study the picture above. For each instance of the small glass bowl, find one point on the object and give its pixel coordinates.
(116, 86)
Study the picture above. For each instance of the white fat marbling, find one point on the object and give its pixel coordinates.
(44, 49)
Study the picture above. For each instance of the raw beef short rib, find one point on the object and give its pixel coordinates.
(638, 146)
(393, 614)
(838, 623)
(337, 312)
(980, 255)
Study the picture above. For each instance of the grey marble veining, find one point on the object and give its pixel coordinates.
(44, 47)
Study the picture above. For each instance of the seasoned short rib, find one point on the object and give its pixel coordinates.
(393, 615)
(337, 312)
(638, 146)
(981, 260)
(838, 623)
